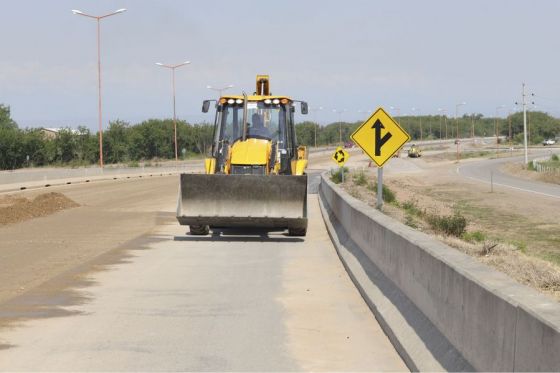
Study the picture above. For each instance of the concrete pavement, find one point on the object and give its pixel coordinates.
(238, 300)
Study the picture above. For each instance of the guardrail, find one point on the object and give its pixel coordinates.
(442, 309)
(540, 165)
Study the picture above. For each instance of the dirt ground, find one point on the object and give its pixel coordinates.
(519, 171)
(91, 220)
(17, 208)
(521, 236)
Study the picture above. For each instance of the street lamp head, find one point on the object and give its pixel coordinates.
(186, 62)
(159, 64)
(75, 11)
(120, 10)
(209, 86)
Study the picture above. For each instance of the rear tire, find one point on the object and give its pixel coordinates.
(199, 230)
(299, 232)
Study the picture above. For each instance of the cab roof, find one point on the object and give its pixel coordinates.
(256, 97)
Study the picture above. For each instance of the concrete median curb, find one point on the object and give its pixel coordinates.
(442, 309)
(15, 187)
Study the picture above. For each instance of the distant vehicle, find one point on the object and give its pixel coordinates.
(457, 141)
(348, 144)
(549, 142)
(414, 152)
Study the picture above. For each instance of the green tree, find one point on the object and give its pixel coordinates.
(116, 142)
(305, 133)
(6, 120)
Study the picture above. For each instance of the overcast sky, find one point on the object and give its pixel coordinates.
(353, 55)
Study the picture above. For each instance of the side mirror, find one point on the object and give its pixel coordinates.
(205, 106)
(304, 108)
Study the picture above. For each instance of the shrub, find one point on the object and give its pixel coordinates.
(476, 236)
(409, 220)
(454, 225)
(360, 178)
(531, 166)
(336, 175)
(412, 208)
(387, 194)
(555, 158)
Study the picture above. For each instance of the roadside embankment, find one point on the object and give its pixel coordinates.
(441, 309)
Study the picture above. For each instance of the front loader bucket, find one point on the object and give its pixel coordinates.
(275, 201)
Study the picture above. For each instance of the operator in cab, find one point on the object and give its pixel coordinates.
(257, 128)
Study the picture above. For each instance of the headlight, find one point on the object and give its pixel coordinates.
(231, 101)
(276, 101)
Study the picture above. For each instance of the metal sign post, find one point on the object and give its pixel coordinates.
(379, 188)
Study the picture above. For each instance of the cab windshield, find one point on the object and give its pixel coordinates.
(263, 121)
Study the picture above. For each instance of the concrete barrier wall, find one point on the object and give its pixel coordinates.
(442, 309)
(49, 174)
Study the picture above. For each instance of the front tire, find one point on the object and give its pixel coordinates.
(199, 230)
(298, 232)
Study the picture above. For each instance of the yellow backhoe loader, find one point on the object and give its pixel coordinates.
(255, 175)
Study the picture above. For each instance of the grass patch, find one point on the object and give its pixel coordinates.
(476, 236)
(519, 245)
(552, 257)
(336, 175)
(359, 178)
(411, 207)
(410, 221)
(451, 225)
(387, 194)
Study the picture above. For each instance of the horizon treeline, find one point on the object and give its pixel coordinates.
(153, 139)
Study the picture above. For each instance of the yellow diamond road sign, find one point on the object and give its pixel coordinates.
(380, 137)
(340, 156)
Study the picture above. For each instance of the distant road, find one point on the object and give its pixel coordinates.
(481, 171)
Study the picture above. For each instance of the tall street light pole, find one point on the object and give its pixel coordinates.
(441, 117)
(397, 110)
(173, 67)
(219, 90)
(457, 126)
(98, 19)
(339, 112)
(524, 106)
(524, 123)
(314, 110)
(497, 130)
(414, 109)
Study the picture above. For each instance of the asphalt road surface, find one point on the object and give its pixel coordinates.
(487, 170)
(117, 284)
